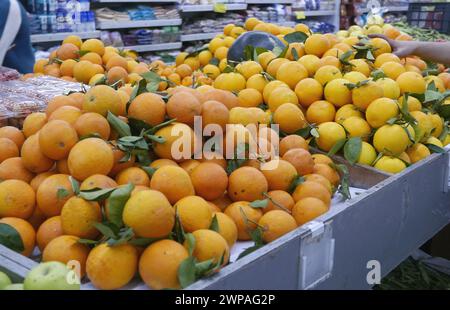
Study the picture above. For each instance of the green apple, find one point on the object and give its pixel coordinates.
(4, 280)
(51, 276)
(14, 287)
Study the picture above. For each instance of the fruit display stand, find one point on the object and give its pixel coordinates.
(387, 218)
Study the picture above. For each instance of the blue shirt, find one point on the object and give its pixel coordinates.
(21, 56)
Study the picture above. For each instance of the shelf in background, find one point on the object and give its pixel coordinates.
(198, 36)
(147, 1)
(155, 47)
(210, 7)
(319, 13)
(138, 23)
(52, 37)
(270, 1)
(403, 8)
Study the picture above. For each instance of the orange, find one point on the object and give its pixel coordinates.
(179, 142)
(311, 63)
(116, 74)
(291, 142)
(62, 166)
(93, 58)
(66, 67)
(281, 95)
(97, 181)
(244, 216)
(194, 213)
(381, 59)
(312, 189)
(33, 123)
(184, 107)
(327, 73)
(13, 168)
(8, 149)
(380, 111)
(275, 224)
(48, 230)
(189, 165)
(93, 45)
(116, 61)
(392, 69)
(101, 99)
(60, 101)
(17, 199)
(214, 157)
(308, 91)
(279, 200)
(227, 228)
(32, 157)
(39, 65)
(159, 263)
(250, 97)
(83, 71)
(149, 214)
(39, 178)
(246, 183)
(111, 268)
(78, 217)
(67, 51)
(214, 112)
(411, 82)
(64, 249)
(320, 112)
(362, 96)
(316, 44)
(328, 172)
(90, 156)
(318, 178)
(337, 92)
(134, 175)
(308, 209)
(298, 47)
(53, 193)
(173, 182)
(92, 124)
(149, 108)
(289, 117)
(210, 245)
(56, 139)
(13, 134)
(162, 162)
(300, 159)
(26, 232)
(291, 73)
(321, 159)
(67, 113)
(380, 46)
(279, 174)
(210, 180)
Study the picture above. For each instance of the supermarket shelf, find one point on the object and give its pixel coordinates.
(319, 13)
(288, 24)
(123, 1)
(198, 36)
(51, 37)
(210, 7)
(138, 23)
(270, 1)
(155, 47)
(403, 8)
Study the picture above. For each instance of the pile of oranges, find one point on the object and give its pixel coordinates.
(94, 178)
(74, 170)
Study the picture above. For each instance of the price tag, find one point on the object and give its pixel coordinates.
(300, 15)
(220, 7)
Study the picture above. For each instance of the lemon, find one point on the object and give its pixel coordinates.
(390, 164)
(257, 82)
(249, 68)
(390, 88)
(356, 127)
(391, 138)
(354, 77)
(345, 112)
(329, 134)
(380, 111)
(211, 71)
(417, 152)
(367, 155)
(435, 141)
(337, 92)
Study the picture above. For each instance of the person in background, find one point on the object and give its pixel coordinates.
(438, 52)
(15, 44)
